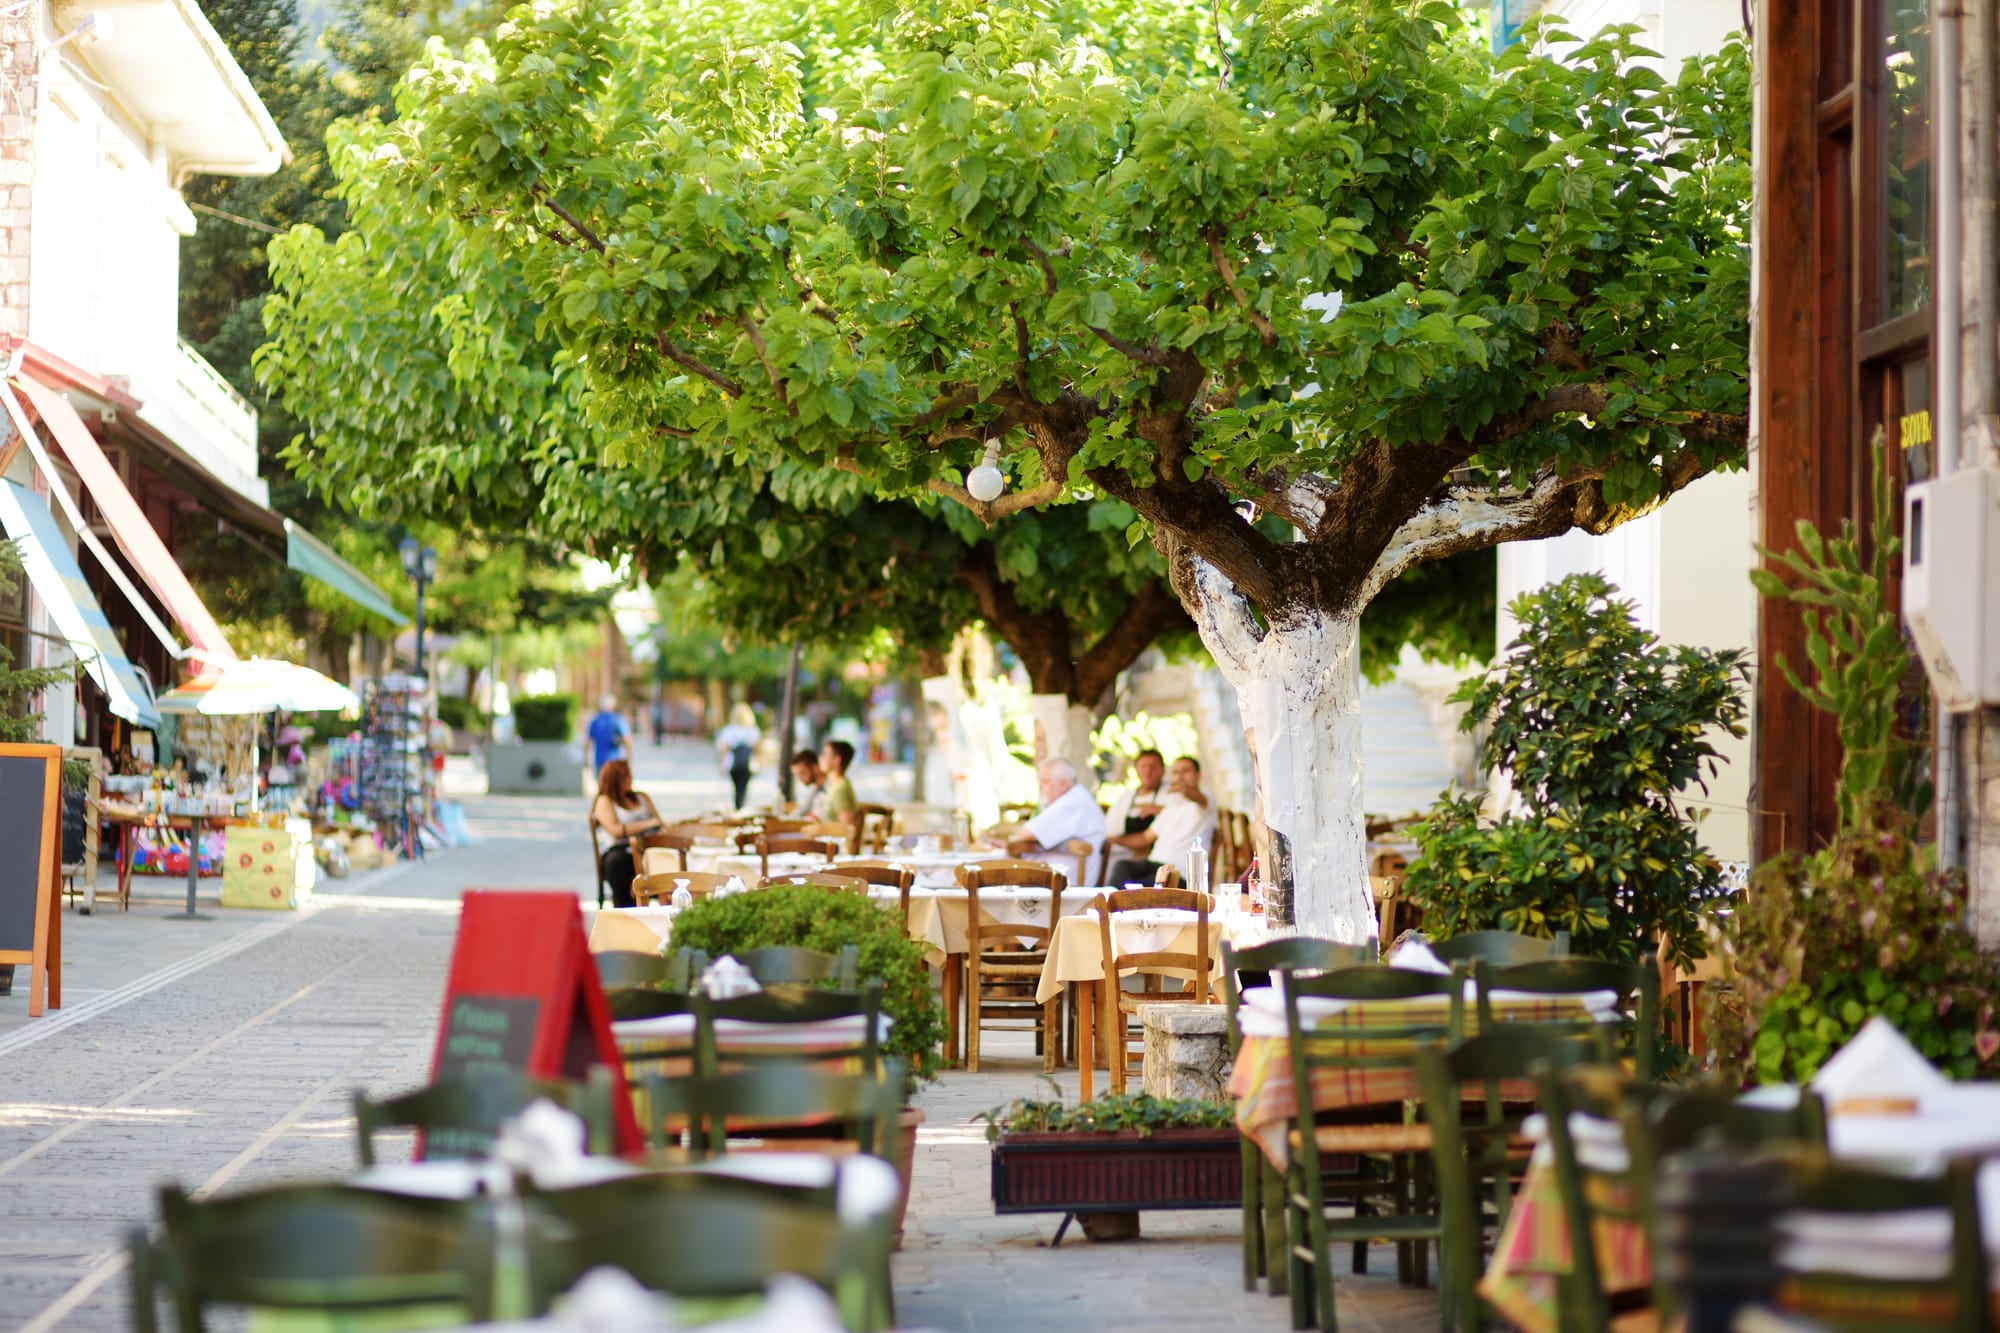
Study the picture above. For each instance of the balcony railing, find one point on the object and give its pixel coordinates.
(210, 406)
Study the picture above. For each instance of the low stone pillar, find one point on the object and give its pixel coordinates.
(1187, 1051)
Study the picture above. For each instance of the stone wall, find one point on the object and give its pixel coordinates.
(18, 94)
(1187, 1051)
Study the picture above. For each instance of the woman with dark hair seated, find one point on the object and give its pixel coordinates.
(623, 814)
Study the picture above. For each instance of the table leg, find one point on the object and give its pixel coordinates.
(954, 977)
(124, 867)
(194, 874)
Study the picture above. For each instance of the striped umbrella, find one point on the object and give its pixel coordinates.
(258, 685)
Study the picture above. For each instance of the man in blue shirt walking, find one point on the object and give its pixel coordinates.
(608, 733)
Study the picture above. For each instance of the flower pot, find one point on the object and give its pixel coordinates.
(1082, 1172)
(907, 1121)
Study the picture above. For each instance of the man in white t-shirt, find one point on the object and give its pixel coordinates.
(1185, 814)
(1068, 811)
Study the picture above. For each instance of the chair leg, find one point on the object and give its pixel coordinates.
(1277, 1248)
(1253, 1211)
(1051, 1034)
(951, 978)
(1114, 1042)
(971, 1015)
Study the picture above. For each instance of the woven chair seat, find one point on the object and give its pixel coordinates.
(1368, 1138)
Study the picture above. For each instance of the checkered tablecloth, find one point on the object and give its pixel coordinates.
(1532, 1255)
(1266, 1097)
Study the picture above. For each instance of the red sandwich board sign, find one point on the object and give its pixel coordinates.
(524, 995)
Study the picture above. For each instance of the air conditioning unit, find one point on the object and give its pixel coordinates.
(1951, 584)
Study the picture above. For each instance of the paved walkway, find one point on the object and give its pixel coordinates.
(221, 1053)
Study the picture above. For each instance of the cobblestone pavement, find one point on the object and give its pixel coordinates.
(221, 1053)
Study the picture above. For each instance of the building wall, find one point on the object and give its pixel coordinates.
(1686, 565)
(17, 166)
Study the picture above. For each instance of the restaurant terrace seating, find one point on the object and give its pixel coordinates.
(1190, 972)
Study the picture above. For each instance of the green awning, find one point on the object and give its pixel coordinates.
(316, 560)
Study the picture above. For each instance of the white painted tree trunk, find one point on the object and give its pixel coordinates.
(1066, 729)
(1298, 683)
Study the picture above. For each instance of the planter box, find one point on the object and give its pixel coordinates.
(1070, 1172)
(542, 767)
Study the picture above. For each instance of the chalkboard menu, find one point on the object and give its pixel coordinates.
(75, 825)
(487, 1033)
(30, 799)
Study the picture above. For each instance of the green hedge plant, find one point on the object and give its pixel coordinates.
(1601, 731)
(545, 717)
(805, 917)
(1868, 924)
(1112, 1113)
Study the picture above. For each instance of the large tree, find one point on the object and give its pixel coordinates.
(1329, 264)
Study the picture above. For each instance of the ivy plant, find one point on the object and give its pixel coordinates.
(1112, 1113)
(1601, 731)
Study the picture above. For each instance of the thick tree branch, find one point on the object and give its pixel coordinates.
(1041, 639)
(1250, 312)
(1048, 269)
(1145, 356)
(694, 365)
(1013, 502)
(1153, 610)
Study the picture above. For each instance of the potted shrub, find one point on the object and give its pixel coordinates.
(804, 917)
(1868, 924)
(546, 756)
(1601, 731)
(1117, 1154)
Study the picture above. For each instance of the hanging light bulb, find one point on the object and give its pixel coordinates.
(987, 481)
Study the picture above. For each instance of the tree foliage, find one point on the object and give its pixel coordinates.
(1600, 730)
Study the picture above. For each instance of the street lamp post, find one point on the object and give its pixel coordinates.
(420, 563)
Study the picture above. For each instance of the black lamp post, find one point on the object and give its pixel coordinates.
(421, 564)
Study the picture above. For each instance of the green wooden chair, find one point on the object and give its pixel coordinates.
(781, 965)
(1499, 947)
(1637, 986)
(1353, 1044)
(316, 1247)
(686, 969)
(1477, 1142)
(845, 1108)
(1958, 1301)
(459, 1117)
(619, 969)
(1263, 1188)
(700, 1235)
(791, 1006)
(1652, 1122)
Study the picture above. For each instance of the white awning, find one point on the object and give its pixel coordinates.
(58, 580)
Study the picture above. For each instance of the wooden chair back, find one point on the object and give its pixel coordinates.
(781, 824)
(459, 1117)
(322, 1247)
(649, 849)
(1167, 877)
(769, 844)
(1201, 963)
(852, 1109)
(1296, 953)
(1394, 913)
(1235, 845)
(1030, 874)
(709, 831)
(619, 969)
(1082, 853)
(781, 965)
(1018, 811)
(871, 828)
(791, 1006)
(884, 874)
(1114, 1003)
(1500, 947)
(1004, 959)
(648, 889)
(818, 879)
(909, 842)
(1636, 986)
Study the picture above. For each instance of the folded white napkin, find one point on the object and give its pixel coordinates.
(611, 1300)
(1415, 956)
(733, 887)
(725, 979)
(1878, 1062)
(544, 1142)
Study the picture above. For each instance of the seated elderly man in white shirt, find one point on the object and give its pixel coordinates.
(1068, 811)
(1184, 815)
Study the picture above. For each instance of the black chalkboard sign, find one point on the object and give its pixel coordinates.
(75, 825)
(30, 800)
(484, 1033)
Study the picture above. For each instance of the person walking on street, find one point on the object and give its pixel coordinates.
(610, 738)
(736, 745)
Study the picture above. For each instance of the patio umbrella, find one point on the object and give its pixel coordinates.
(258, 685)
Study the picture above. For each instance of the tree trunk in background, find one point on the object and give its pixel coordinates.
(1066, 729)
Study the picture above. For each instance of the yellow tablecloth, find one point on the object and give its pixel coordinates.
(937, 916)
(1077, 951)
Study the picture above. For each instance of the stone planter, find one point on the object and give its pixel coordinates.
(1077, 1172)
(553, 768)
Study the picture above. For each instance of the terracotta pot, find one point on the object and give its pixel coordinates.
(907, 1121)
